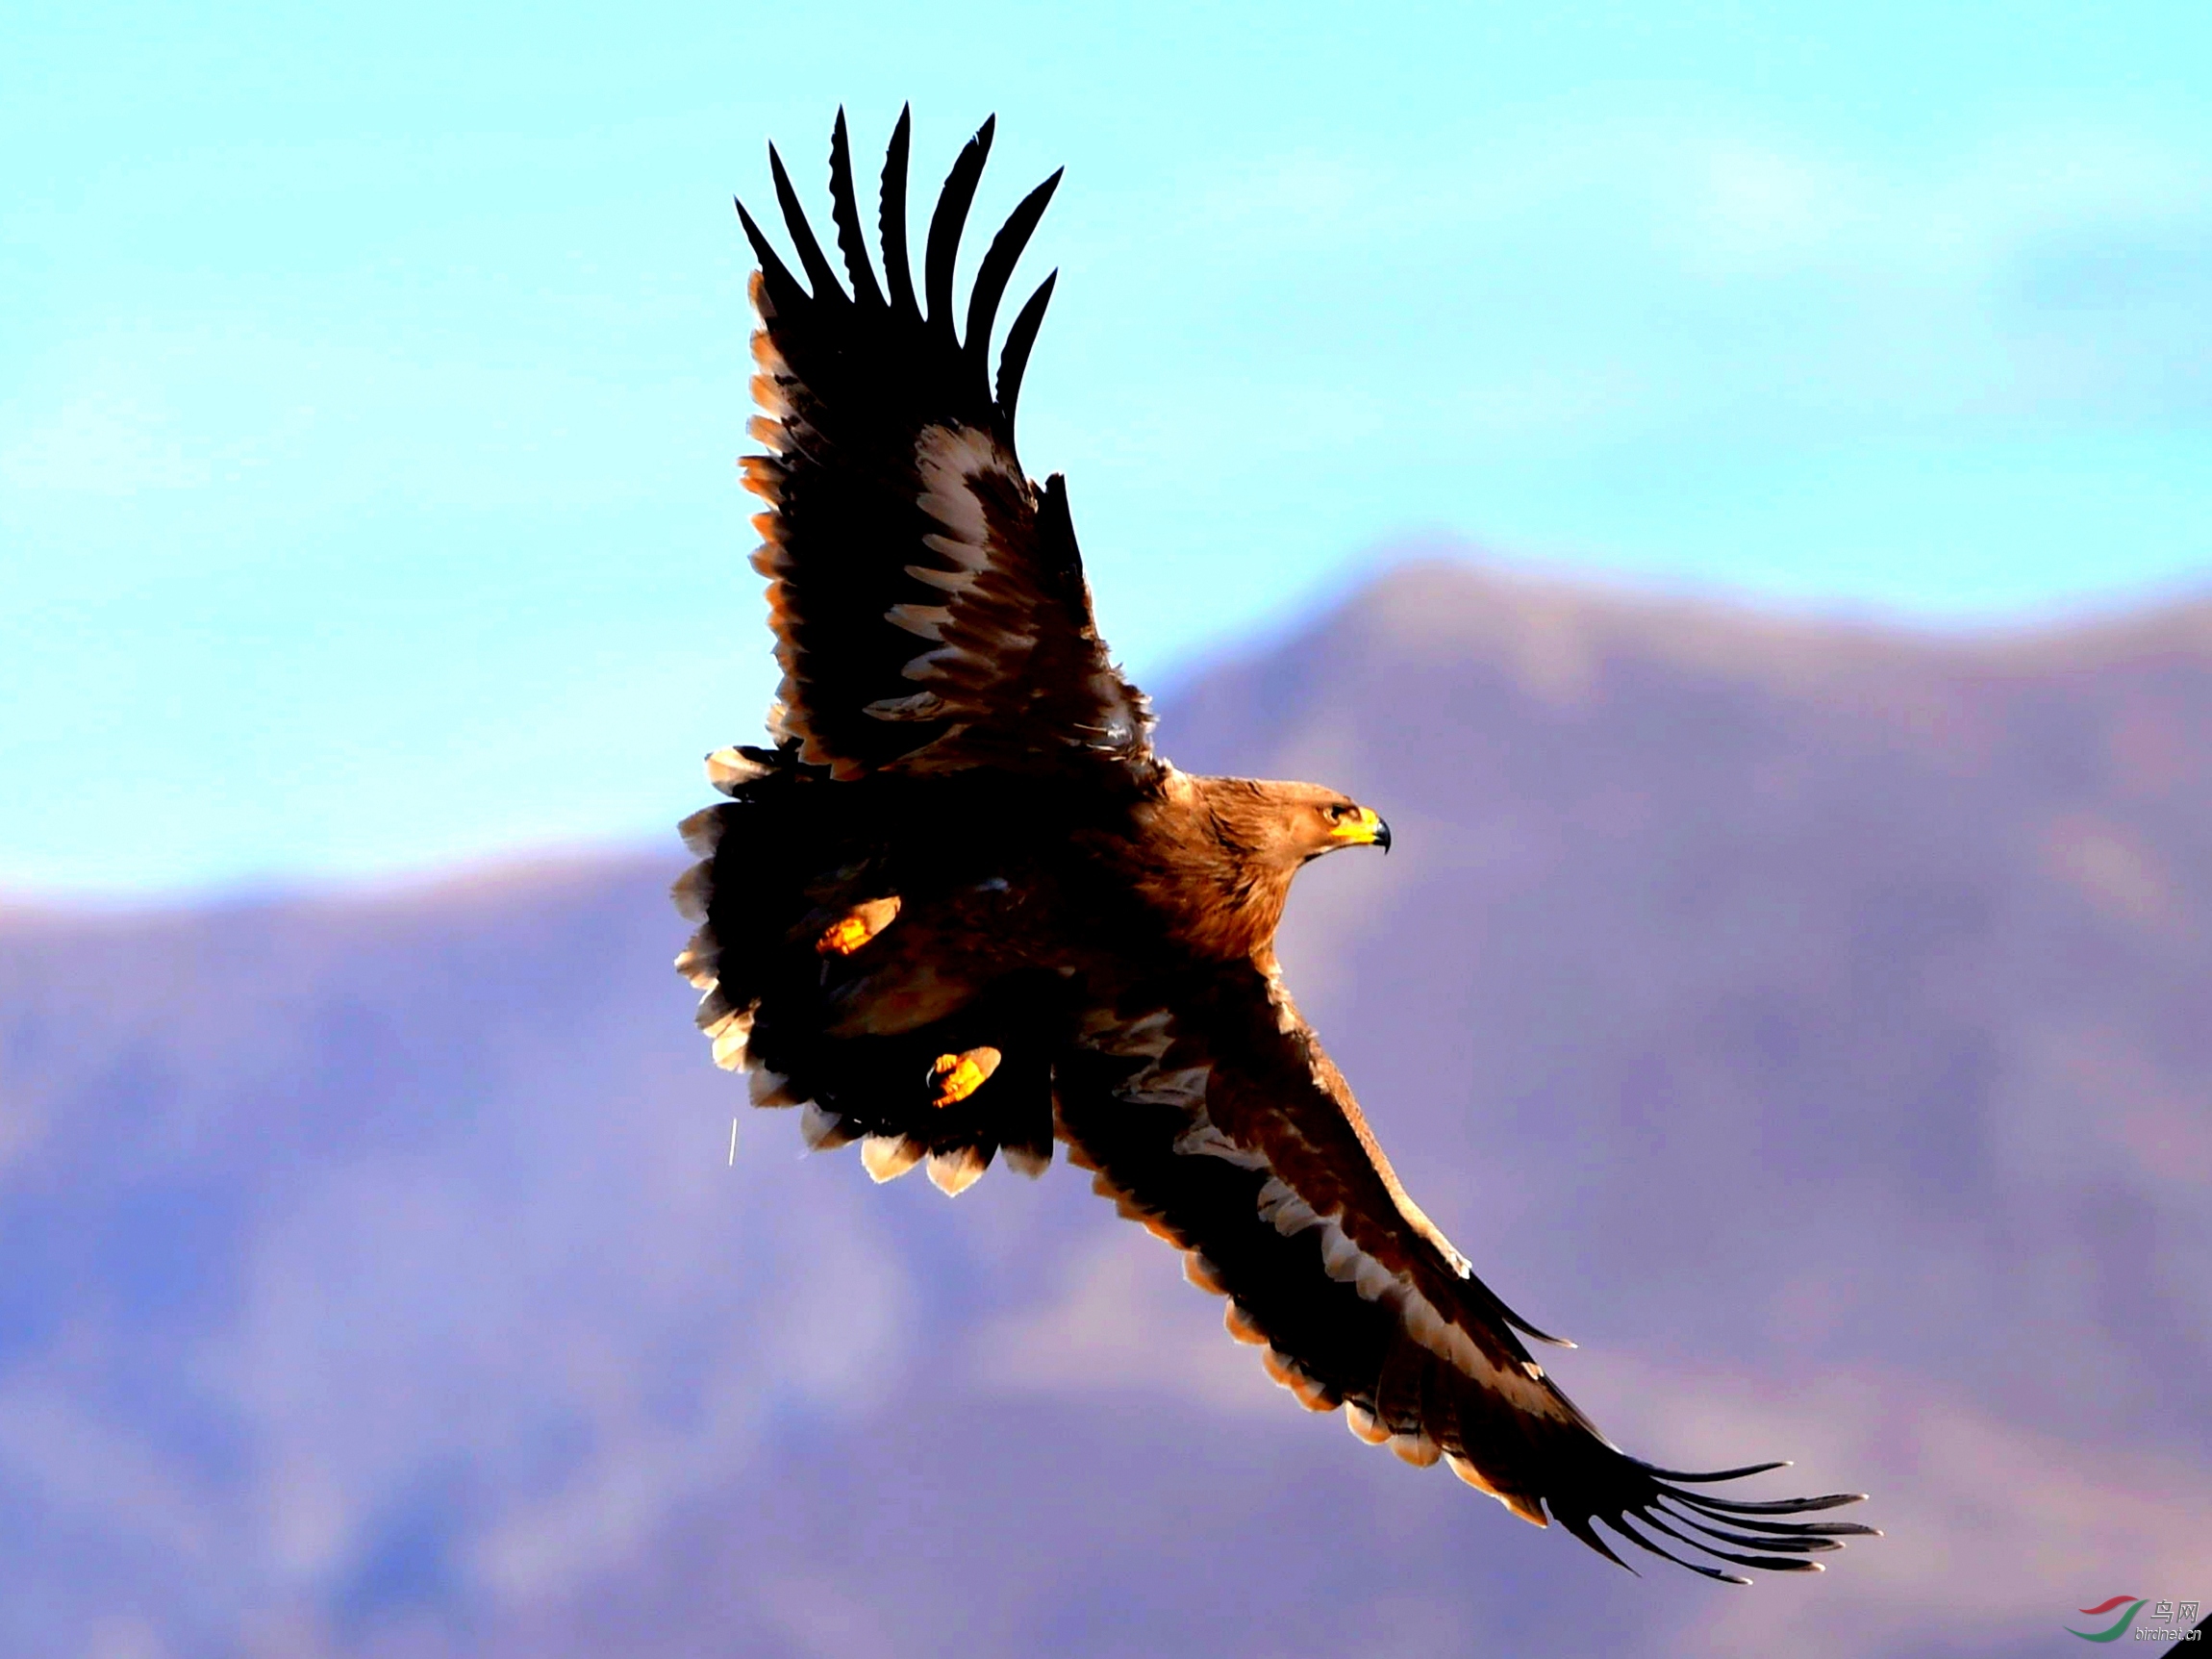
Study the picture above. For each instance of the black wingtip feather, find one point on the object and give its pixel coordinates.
(890, 218)
(1488, 1299)
(941, 257)
(998, 269)
(1014, 359)
(1659, 1521)
(1589, 1535)
(947, 221)
(1787, 1543)
(1621, 1524)
(1702, 1515)
(1781, 1563)
(1764, 1527)
(1792, 1546)
(820, 273)
(783, 287)
(1735, 1531)
(1531, 1332)
(1777, 1506)
(845, 214)
(1711, 1476)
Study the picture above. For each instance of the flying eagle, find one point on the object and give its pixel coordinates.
(960, 906)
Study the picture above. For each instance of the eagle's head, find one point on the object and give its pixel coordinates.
(1287, 826)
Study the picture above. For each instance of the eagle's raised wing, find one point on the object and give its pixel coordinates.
(927, 599)
(1211, 1114)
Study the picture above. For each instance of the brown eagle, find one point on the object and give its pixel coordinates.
(962, 907)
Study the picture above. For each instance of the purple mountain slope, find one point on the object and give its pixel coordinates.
(1809, 1019)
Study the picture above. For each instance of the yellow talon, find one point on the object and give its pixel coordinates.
(857, 926)
(957, 1076)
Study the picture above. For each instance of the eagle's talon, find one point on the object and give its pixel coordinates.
(956, 1076)
(857, 926)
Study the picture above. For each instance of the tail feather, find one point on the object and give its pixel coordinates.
(790, 899)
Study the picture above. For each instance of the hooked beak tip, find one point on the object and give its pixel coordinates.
(1382, 836)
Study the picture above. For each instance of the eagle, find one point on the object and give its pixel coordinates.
(958, 907)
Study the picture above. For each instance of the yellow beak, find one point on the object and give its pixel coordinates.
(1365, 830)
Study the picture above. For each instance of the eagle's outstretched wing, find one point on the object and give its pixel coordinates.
(928, 600)
(1211, 1114)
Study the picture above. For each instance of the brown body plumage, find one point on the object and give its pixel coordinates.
(960, 907)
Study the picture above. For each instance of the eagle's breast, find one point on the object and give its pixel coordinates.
(1211, 895)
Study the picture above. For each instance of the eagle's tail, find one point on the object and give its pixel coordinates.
(785, 895)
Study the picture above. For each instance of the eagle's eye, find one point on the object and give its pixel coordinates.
(1336, 814)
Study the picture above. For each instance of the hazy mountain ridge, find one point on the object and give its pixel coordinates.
(1805, 1018)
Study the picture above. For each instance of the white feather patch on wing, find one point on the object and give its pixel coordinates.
(1199, 1271)
(942, 662)
(765, 1088)
(921, 706)
(691, 891)
(822, 1129)
(730, 771)
(969, 556)
(1288, 1021)
(1150, 1037)
(701, 831)
(923, 621)
(947, 458)
(1287, 1017)
(768, 394)
(1465, 1470)
(1417, 1450)
(1364, 1423)
(1184, 1087)
(731, 1039)
(974, 647)
(700, 960)
(1345, 1262)
(1026, 1162)
(888, 1157)
(1107, 1033)
(953, 582)
(1311, 1391)
(954, 1172)
(1202, 1140)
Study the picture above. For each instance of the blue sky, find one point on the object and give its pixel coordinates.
(371, 378)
